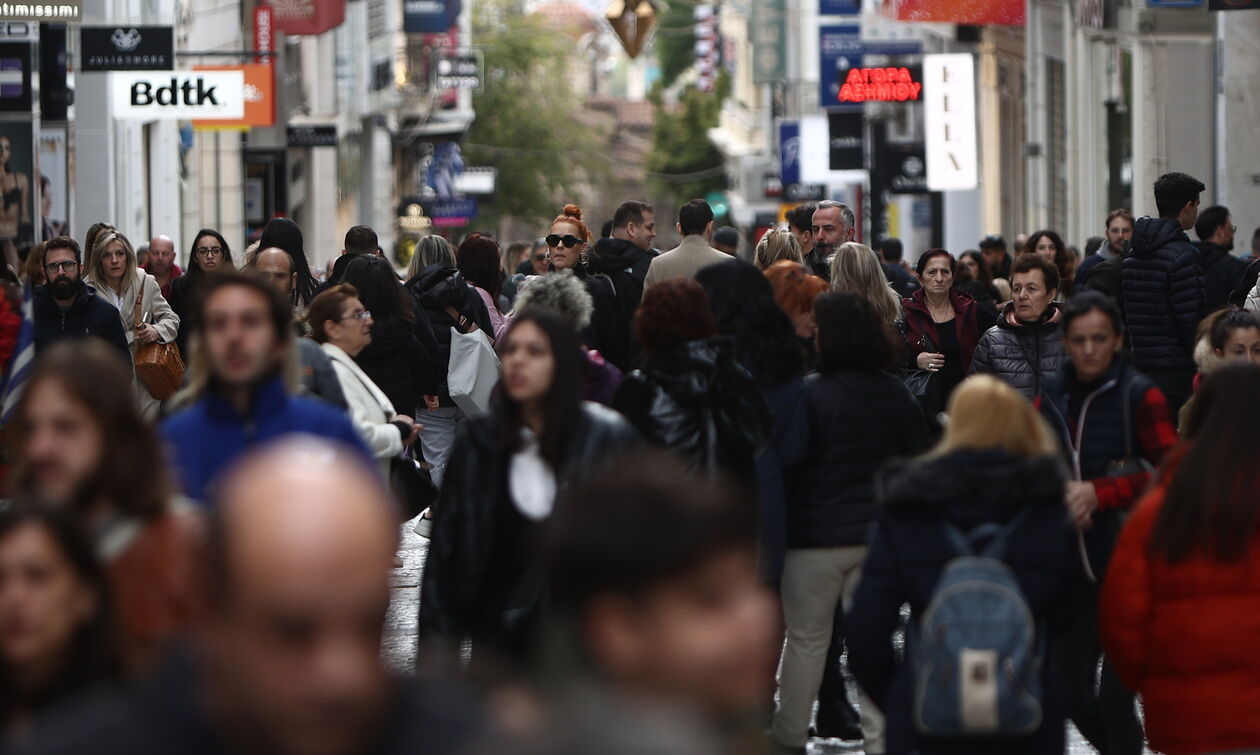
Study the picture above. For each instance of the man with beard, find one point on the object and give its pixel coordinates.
(1221, 269)
(833, 225)
(626, 256)
(238, 385)
(69, 308)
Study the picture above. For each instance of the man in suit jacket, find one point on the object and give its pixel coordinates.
(695, 223)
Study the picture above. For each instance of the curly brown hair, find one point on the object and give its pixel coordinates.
(673, 312)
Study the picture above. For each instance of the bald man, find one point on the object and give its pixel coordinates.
(161, 263)
(289, 659)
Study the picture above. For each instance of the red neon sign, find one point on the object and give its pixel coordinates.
(880, 85)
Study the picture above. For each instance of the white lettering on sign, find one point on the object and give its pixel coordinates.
(949, 102)
(52, 11)
(169, 95)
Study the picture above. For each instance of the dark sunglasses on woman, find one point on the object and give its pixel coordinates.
(569, 240)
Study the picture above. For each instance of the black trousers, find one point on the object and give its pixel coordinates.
(1098, 702)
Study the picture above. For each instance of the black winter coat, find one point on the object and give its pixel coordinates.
(399, 365)
(858, 421)
(1162, 286)
(626, 266)
(1251, 272)
(435, 288)
(89, 315)
(453, 598)
(607, 332)
(1021, 354)
(698, 401)
(1222, 272)
(908, 551)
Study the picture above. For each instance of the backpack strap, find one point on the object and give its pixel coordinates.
(466, 325)
(996, 537)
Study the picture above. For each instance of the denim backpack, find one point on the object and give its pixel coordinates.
(975, 657)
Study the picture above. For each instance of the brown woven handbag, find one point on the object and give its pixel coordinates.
(158, 365)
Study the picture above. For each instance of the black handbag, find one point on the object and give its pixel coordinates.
(924, 384)
(411, 484)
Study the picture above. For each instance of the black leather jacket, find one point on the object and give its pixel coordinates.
(456, 599)
(698, 401)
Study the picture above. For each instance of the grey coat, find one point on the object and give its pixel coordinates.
(1022, 355)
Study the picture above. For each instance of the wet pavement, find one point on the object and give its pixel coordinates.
(400, 637)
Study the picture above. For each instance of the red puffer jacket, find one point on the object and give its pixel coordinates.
(1184, 636)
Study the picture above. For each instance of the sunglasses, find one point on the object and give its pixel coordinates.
(540, 257)
(569, 241)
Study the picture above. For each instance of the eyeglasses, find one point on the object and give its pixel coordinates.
(209, 251)
(362, 314)
(52, 268)
(568, 239)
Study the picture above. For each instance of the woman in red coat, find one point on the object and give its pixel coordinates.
(1180, 610)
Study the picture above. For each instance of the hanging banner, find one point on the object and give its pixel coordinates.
(307, 16)
(839, 7)
(839, 49)
(971, 12)
(260, 98)
(54, 183)
(264, 33)
(949, 104)
(790, 152)
(15, 77)
(769, 41)
(429, 16)
(847, 145)
(178, 95)
(127, 48)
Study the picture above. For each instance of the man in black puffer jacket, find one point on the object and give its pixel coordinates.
(1162, 288)
(624, 259)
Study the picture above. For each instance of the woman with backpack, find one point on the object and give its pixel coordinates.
(1180, 607)
(993, 488)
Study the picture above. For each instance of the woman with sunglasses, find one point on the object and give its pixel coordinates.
(566, 246)
(210, 254)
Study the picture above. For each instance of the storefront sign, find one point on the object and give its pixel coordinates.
(972, 12)
(260, 99)
(769, 41)
(311, 136)
(950, 120)
(839, 50)
(429, 16)
(798, 192)
(839, 7)
(790, 152)
(178, 95)
(907, 168)
(891, 84)
(307, 16)
(264, 33)
(450, 213)
(457, 71)
(15, 76)
(847, 144)
(127, 48)
(65, 11)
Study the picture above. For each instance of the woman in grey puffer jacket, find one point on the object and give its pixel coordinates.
(1026, 345)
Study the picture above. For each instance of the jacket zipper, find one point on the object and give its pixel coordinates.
(1080, 424)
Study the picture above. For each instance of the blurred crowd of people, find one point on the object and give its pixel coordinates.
(696, 498)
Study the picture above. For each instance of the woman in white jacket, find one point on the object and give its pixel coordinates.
(340, 323)
(115, 274)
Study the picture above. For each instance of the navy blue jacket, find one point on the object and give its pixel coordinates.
(89, 315)
(1162, 288)
(208, 436)
(789, 433)
(858, 421)
(1222, 272)
(908, 551)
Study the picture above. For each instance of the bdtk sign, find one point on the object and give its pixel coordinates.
(179, 95)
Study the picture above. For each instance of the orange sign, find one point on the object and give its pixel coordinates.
(260, 100)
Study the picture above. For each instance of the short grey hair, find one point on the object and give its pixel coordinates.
(430, 250)
(561, 292)
(846, 213)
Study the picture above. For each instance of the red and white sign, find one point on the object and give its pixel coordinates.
(264, 33)
(307, 16)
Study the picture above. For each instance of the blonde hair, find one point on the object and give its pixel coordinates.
(96, 273)
(985, 413)
(430, 250)
(775, 246)
(856, 269)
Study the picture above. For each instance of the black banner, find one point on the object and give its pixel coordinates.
(846, 140)
(1233, 4)
(127, 48)
(311, 136)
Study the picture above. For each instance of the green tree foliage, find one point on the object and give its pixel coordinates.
(526, 125)
(685, 161)
(675, 40)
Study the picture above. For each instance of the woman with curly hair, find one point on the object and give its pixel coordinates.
(692, 395)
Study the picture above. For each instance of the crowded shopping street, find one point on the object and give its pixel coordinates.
(631, 377)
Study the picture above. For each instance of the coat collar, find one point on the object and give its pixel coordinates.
(338, 355)
(269, 400)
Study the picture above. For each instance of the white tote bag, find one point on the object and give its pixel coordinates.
(473, 371)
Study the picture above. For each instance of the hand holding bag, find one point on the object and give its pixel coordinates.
(158, 365)
(473, 371)
(411, 484)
